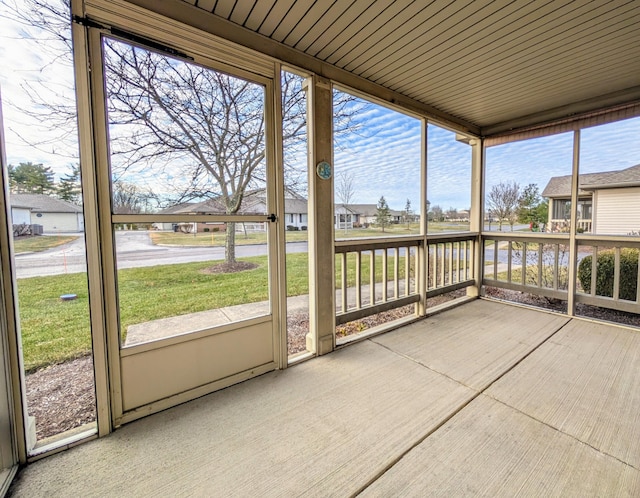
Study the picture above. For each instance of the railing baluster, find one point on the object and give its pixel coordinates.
(458, 246)
(616, 275)
(594, 269)
(385, 275)
(638, 281)
(539, 265)
(471, 259)
(407, 267)
(372, 278)
(442, 263)
(509, 256)
(358, 280)
(450, 276)
(524, 263)
(495, 260)
(416, 271)
(396, 270)
(556, 265)
(344, 282)
(465, 270)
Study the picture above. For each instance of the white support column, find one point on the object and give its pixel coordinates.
(476, 220)
(321, 337)
(573, 246)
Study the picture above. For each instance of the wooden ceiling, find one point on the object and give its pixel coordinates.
(487, 63)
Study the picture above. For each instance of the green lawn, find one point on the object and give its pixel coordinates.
(54, 331)
(40, 242)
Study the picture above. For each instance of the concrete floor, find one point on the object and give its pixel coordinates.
(486, 399)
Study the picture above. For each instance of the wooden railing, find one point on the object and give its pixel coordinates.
(391, 265)
(380, 274)
(450, 260)
(610, 271)
(607, 267)
(535, 264)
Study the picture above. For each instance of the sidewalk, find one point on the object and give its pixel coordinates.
(192, 322)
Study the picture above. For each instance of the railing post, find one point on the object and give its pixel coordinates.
(422, 270)
(477, 213)
(573, 245)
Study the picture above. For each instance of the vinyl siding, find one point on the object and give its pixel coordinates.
(617, 211)
(56, 222)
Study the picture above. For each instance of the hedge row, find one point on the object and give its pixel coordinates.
(605, 267)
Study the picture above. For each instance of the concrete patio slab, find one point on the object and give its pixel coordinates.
(490, 449)
(476, 343)
(486, 399)
(585, 381)
(324, 428)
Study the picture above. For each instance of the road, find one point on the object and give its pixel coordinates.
(134, 249)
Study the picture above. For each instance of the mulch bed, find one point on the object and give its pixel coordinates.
(62, 396)
(234, 267)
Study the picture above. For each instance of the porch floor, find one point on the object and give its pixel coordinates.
(484, 399)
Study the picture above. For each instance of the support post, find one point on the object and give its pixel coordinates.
(422, 269)
(476, 219)
(573, 245)
(321, 336)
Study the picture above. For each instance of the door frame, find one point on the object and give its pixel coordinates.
(101, 18)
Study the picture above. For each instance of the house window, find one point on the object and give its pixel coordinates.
(562, 209)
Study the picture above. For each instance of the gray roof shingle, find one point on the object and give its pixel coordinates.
(40, 203)
(560, 186)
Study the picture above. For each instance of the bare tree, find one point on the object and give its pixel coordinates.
(407, 214)
(345, 190)
(200, 130)
(503, 202)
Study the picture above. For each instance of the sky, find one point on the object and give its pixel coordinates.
(382, 155)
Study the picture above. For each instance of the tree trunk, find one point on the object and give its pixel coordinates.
(230, 243)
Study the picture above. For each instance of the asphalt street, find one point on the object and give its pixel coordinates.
(133, 249)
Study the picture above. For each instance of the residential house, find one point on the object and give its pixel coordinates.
(254, 202)
(608, 202)
(53, 214)
(361, 215)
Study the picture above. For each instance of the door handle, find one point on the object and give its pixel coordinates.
(272, 218)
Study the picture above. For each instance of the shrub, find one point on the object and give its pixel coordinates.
(206, 229)
(605, 268)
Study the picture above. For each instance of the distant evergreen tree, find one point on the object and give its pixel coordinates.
(69, 187)
(29, 178)
(383, 214)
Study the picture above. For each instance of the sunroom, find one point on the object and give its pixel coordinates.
(454, 345)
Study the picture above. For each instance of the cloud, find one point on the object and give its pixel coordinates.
(26, 65)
